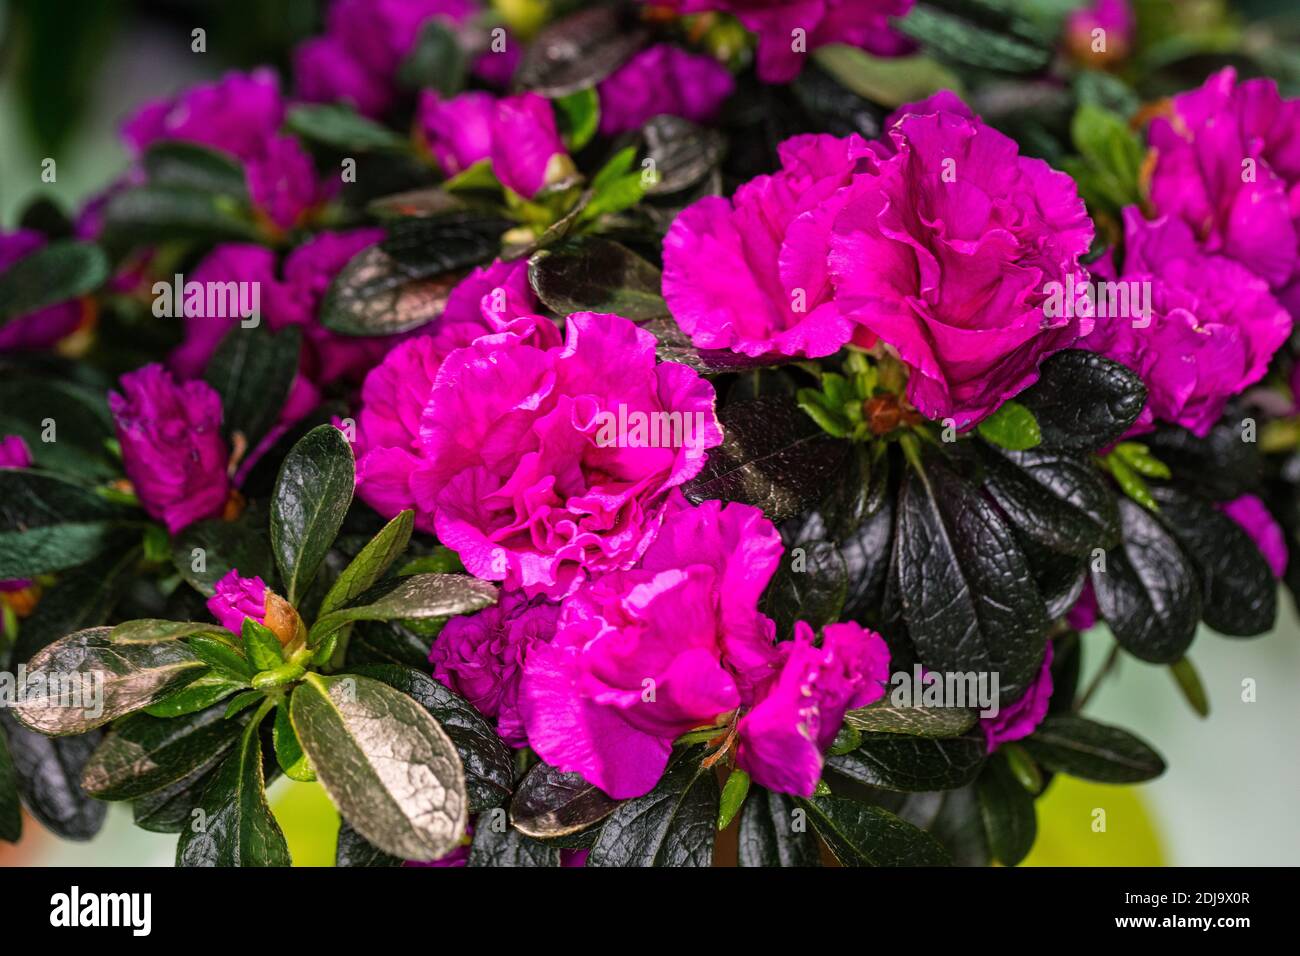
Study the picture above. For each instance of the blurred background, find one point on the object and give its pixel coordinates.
(71, 70)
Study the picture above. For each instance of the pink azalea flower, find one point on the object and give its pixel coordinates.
(43, 328)
(1022, 717)
(662, 79)
(236, 598)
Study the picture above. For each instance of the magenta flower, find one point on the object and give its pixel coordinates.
(783, 738)
(948, 253)
(788, 30)
(172, 447)
(1116, 23)
(293, 299)
(517, 133)
(236, 598)
(1228, 164)
(239, 114)
(365, 42)
(45, 327)
(1249, 512)
(507, 464)
(1022, 717)
(744, 274)
(1212, 330)
(481, 657)
(642, 656)
(14, 452)
(662, 79)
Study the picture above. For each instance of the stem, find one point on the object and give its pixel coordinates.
(1111, 660)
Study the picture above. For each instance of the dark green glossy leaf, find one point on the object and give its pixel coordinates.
(1148, 593)
(81, 598)
(370, 564)
(81, 420)
(191, 166)
(171, 808)
(579, 50)
(970, 43)
(106, 680)
(591, 274)
(207, 551)
(959, 826)
(809, 586)
(56, 272)
(885, 718)
(48, 523)
(387, 765)
(1010, 821)
(549, 803)
(681, 153)
(143, 754)
(203, 693)
(859, 834)
(261, 646)
(252, 371)
(1238, 591)
(676, 346)
(149, 214)
(773, 456)
(353, 850)
(489, 766)
(913, 764)
(235, 826)
(1083, 401)
(672, 825)
(509, 847)
(312, 495)
(11, 811)
(417, 597)
(967, 596)
(49, 775)
(1060, 577)
(772, 833)
(1068, 743)
(341, 127)
(288, 751)
(1059, 501)
(387, 642)
(1221, 465)
(436, 62)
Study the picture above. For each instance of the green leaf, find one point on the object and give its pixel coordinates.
(109, 680)
(913, 764)
(679, 154)
(578, 117)
(144, 754)
(1238, 592)
(83, 424)
(1012, 427)
(153, 631)
(882, 717)
(1082, 401)
(579, 51)
(261, 646)
(312, 495)
(436, 62)
(1074, 745)
(967, 595)
(1023, 766)
(217, 652)
(734, 792)
(188, 165)
(1057, 500)
(252, 370)
(672, 825)
(889, 81)
(353, 850)
(150, 214)
(1138, 457)
(370, 564)
(11, 811)
(1130, 482)
(968, 43)
(1112, 151)
(1010, 821)
(959, 826)
(201, 694)
(288, 751)
(1189, 683)
(235, 826)
(1147, 590)
(509, 847)
(488, 763)
(591, 274)
(859, 834)
(774, 833)
(772, 456)
(48, 523)
(549, 804)
(809, 585)
(340, 127)
(56, 272)
(420, 596)
(207, 551)
(48, 772)
(387, 765)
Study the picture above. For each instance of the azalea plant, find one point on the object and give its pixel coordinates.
(568, 431)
